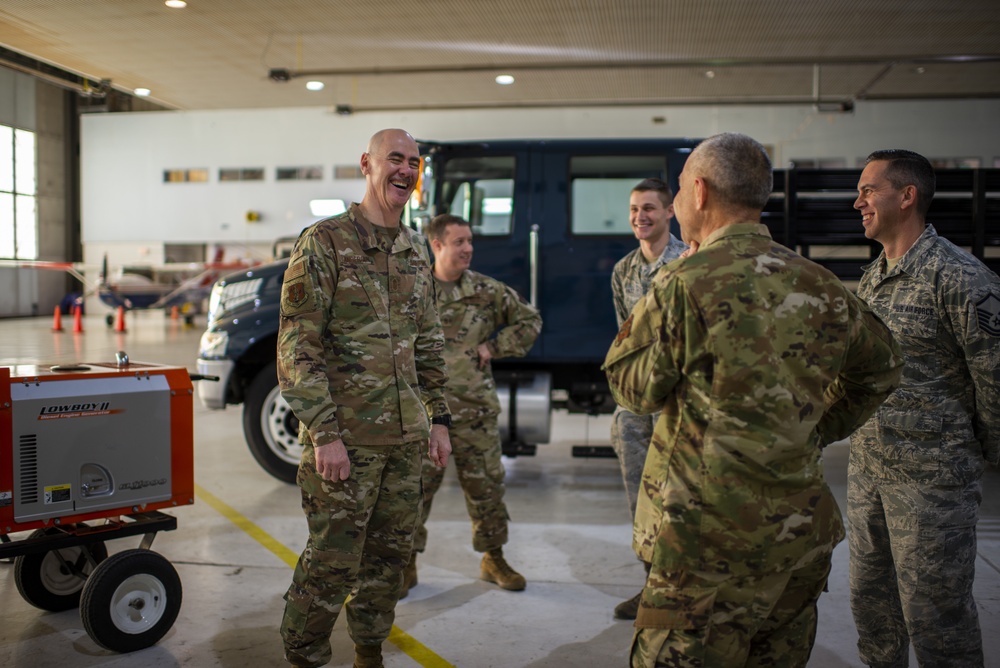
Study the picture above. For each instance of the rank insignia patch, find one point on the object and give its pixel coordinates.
(988, 314)
(625, 331)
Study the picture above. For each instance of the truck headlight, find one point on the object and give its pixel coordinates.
(213, 344)
(229, 296)
(214, 301)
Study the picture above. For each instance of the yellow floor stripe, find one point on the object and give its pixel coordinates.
(249, 527)
(401, 639)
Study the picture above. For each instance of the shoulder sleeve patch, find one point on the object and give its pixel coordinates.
(297, 290)
(988, 314)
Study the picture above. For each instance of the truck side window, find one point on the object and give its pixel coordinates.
(481, 190)
(600, 187)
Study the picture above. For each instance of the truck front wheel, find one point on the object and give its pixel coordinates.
(270, 427)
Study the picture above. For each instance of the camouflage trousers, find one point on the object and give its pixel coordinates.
(913, 553)
(360, 539)
(475, 447)
(630, 437)
(719, 621)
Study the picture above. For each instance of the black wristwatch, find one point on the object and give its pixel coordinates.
(442, 419)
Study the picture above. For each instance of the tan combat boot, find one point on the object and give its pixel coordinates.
(494, 568)
(409, 577)
(628, 609)
(368, 656)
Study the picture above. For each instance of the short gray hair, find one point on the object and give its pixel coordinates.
(737, 168)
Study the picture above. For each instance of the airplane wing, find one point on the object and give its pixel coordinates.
(74, 269)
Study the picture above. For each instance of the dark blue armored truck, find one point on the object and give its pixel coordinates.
(549, 218)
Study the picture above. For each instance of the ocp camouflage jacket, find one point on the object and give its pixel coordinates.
(755, 358)
(359, 339)
(471, 313)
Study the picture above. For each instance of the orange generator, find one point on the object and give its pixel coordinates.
(91, 452)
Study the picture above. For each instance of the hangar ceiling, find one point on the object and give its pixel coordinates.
(395, 55)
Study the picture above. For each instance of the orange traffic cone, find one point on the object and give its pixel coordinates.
(175, 312)
(77, 320)
(57, 320)
(120, 320)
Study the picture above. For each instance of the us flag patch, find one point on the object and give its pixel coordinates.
(988, 314)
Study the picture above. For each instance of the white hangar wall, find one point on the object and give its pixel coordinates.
(131, 213)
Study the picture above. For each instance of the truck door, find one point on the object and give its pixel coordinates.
(585, 231)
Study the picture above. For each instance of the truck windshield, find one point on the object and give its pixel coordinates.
(481, 190)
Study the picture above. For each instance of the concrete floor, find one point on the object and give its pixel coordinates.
(235, 547)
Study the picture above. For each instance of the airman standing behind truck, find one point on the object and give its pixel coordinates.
(483, 320)
(651, 208)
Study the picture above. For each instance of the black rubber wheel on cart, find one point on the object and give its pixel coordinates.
(45, 581)
(270, 428)
(131, 600)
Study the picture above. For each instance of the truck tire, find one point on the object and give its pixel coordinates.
(270, 428)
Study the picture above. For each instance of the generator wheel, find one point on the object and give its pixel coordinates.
(131, 600)
(44, 581)
(270, 428)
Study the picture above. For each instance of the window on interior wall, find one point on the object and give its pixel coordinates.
(198, 175)
(241, 174)
(310, 173)
(18, 195)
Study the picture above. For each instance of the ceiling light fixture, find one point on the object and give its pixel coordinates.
(843, 107)
(314, 85)
(142, 92)
(176, 4)
(504, 79)
(710, 74)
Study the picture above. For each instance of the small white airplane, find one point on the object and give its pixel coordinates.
(139, 287)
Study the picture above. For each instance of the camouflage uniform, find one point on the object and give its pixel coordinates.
(756, 358)
(470, 313)
(630, 433)
(358, 332)
(914, 476)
